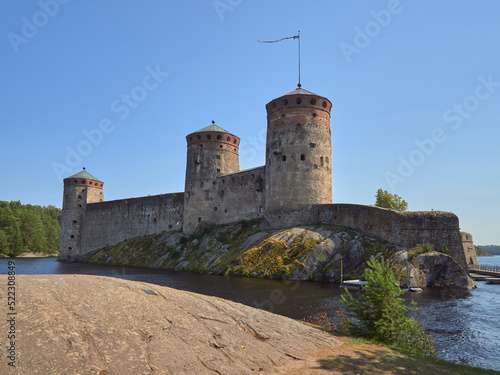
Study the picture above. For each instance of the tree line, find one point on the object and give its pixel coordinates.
(24, 227)
(492, 249)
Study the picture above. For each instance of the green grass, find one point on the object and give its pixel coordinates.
(360, 356)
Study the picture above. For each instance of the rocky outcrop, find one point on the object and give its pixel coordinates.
(315, 252)
(80, 324)
(440, 270)
(249, 249)
(432, 269)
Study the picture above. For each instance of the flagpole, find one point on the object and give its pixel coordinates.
(279, 40)
(299, 85)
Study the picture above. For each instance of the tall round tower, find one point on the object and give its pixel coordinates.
(211, 151)
(298, 151)
(79, 190)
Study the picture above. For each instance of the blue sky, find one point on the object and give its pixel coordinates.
(116, 86)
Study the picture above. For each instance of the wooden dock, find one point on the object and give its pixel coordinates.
(489, 277)
(478, 277)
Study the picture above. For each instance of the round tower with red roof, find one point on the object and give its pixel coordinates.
(79, 190)
(298, 151)
(211, 152)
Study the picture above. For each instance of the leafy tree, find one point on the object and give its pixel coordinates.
(380, 314)
(391, 201)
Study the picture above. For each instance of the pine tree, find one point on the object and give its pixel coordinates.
(28, 228)
(380, 314)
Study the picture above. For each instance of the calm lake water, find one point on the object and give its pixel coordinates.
(466, 326)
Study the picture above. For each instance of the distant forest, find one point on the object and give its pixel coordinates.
(492, 249)
(24, 228)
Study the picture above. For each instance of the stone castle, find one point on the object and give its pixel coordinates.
(294, 187)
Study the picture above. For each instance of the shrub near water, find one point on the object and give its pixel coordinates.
(378, 313)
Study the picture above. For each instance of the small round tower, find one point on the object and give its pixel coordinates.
(211, 152)
(79, 190)
(298, 151)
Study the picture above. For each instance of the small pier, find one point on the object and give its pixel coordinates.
(490, 274)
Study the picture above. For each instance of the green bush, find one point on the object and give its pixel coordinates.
(282, 272)
(377, 312)
(245, 223)
(222, 237)
(420, 249)
(174, 252)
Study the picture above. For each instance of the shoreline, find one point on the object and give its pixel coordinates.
(30, 255)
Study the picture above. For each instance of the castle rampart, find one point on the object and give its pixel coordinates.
(108, 223)
(469, 250)
(408, 229)
(241, 196)
(440, 229)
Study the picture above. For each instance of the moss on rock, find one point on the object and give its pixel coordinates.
(248, 249)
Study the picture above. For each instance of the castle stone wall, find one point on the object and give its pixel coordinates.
(285, 218)
(108, 223)
(469, 249)
(240, 196)
(440, 229)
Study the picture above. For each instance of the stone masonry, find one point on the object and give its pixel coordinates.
(294, 187)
